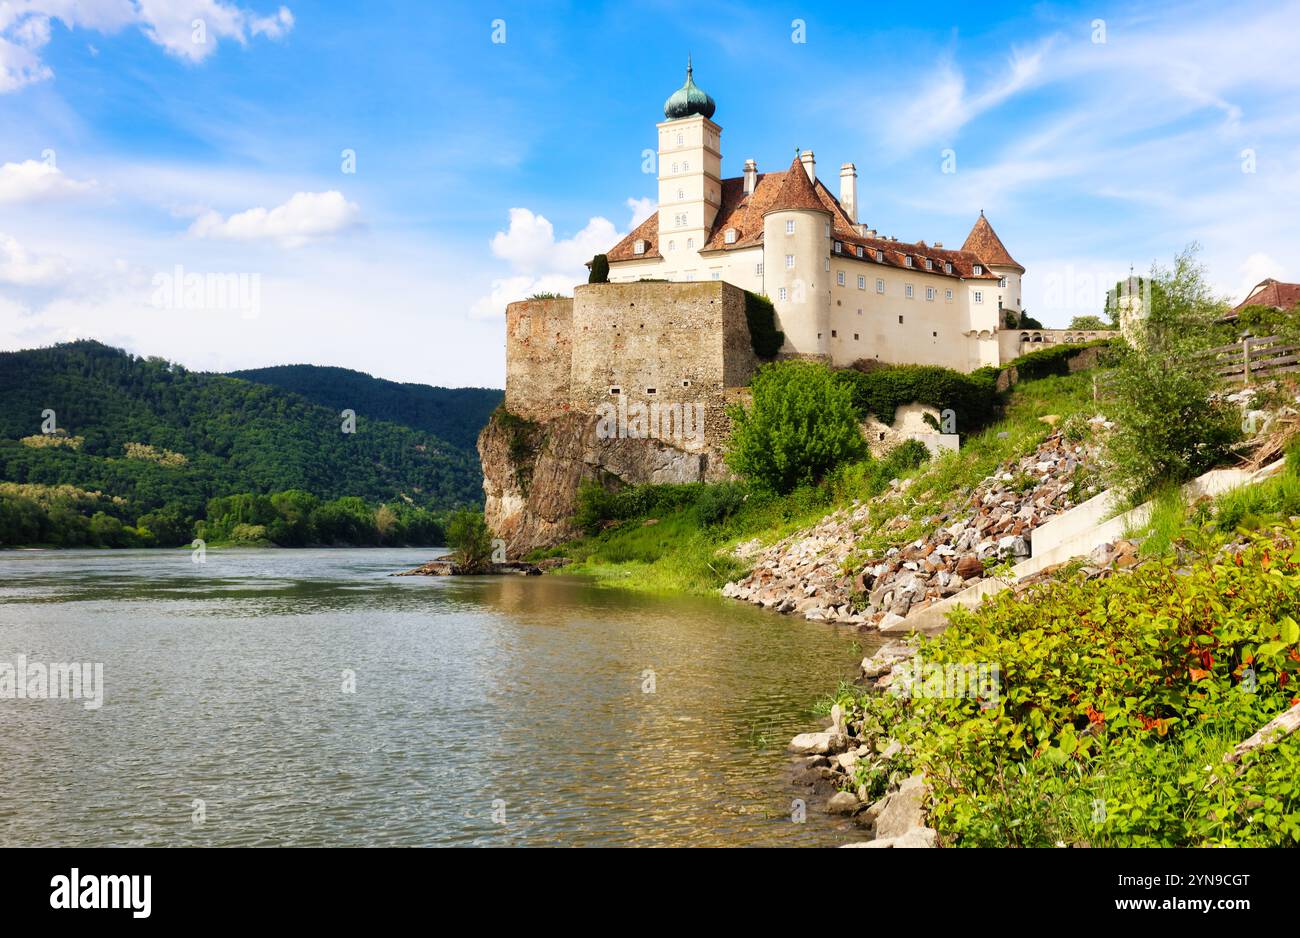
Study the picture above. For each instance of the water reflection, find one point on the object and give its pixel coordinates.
(478, 700)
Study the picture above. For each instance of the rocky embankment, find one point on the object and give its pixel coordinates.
(809, 573)
(830, 762)
(531, 474)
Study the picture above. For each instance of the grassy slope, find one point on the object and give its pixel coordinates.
(678, 554)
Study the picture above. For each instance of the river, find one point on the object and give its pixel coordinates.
(306, 698)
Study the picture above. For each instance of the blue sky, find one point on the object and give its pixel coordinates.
(1094, 136)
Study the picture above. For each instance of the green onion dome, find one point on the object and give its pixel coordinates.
(688, 99)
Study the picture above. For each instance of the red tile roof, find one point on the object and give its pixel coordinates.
(774, 191)
(985, 244)
(1270, 292)
(797, 192)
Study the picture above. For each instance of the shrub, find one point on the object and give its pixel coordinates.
(801, 425)
(1127, 690)
(1054, 360)
(470, 540)
(1168, 430)
(760, 314)
(882, 391)
(599, 269)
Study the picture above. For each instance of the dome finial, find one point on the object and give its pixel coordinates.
(689, 98)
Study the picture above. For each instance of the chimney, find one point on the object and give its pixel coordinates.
(849, 191)
(751, 176)
(809, 164)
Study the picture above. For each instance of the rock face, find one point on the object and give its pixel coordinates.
(805, 575)
(531, 474)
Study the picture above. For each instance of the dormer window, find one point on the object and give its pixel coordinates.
(859, 250)
(638, 246)
(839, 247)
(929, 264)
(789, 227)
(880, 257)
(907, 260)
(947, 267)
(979, 270)
(730, 236)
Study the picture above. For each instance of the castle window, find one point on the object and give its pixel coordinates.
(789, 261)
(900, 320)
(908, 291)
(839, 247)
(672, 245)
(1003, 283)
(650, 390)
(828, 229)
(717, 275)
(690, 243)
(679, 140)
(862, 282)
(681, 193)
(947, 267)
(616, 390)
(690, 276)
(839, 277)
(947, 294)
(638, 247)
(789, 227)
(758, 269)
(826, 265)
(979, 270)
(781, 293)
(929, 293)
(880, 257)
(855, 337)
(929, 264)
(686, 166)
(880, 286)
(835, 334)
(907, 260)
(978, 297)
(935, 334)
(730, 237)
(859, 250)
(686, 382)
(674, 167)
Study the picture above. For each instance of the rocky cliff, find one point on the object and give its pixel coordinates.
(531, 473)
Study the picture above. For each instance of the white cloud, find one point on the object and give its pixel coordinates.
(1253, 269)
(641, 210)
(308, 216)
(543, 264)
(20, 267)
(187, 29)
(36, 181)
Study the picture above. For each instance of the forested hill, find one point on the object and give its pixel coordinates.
(154, 435)
(452, 414)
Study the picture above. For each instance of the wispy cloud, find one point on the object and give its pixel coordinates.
(187, 29)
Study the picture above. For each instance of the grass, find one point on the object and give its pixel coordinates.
(1247, 508)
(680, 553)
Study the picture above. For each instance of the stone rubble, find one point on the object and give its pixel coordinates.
(804, 574)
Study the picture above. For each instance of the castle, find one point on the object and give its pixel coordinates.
(842, 291)
(670, 326)
(629, 381)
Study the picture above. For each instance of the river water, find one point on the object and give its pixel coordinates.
(304, 697)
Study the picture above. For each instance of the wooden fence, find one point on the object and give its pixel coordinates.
(1252, 358)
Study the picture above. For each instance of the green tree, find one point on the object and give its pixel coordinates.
(1088, 322)
(470, 540)
(599, 269)
(1168, 427)
(801, 425)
